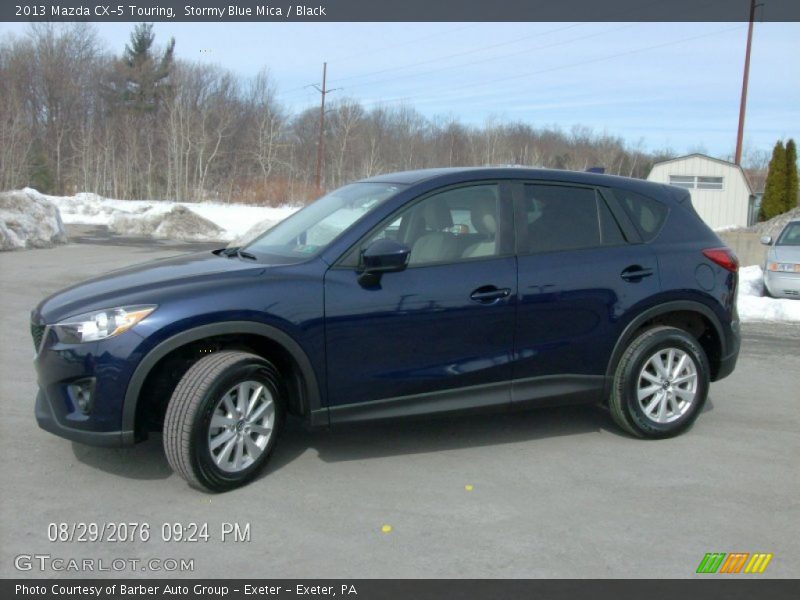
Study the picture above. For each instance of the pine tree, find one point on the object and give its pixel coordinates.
(773, 202)
(40, 175)
(792, 199)
(146, 75)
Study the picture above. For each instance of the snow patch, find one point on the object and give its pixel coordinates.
(754, 306)
(145, 217)
(29, 220)
(180, 223)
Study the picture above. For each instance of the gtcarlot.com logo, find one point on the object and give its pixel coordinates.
(734, 562)
(47, 562)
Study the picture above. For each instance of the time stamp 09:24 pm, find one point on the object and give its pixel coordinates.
(142, 532)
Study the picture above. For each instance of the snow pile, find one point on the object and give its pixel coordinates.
(754, 306)
(180, 223)
(775, 225)
(145, 217)
(29, 220)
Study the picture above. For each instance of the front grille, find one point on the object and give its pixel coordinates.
(37, 333)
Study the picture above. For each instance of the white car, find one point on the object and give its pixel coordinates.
(782, 265)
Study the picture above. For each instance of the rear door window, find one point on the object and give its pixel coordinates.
(567, 218)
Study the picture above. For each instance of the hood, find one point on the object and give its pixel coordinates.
(141, 283)
(788, 254)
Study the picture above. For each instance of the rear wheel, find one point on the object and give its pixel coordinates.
(223, 420)
(660, 384)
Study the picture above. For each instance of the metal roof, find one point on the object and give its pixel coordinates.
(711, 158)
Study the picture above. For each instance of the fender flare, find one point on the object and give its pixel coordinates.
(145, 366)
(662, 309)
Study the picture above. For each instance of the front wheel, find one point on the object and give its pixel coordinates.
(660, 384)
(223, 420)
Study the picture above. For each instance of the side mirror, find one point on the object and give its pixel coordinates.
(766, 240)
(382, 256)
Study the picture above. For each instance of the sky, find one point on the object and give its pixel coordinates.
(664, 85)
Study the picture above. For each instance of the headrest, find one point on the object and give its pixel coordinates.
(484, 213)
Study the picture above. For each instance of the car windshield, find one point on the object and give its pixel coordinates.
(310, 230)
(790, 236)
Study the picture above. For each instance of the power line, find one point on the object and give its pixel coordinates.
(457, 54)
(556, 68)
(493, 58)
(361, 53)
(294, 91)
(473, 51)
(624, 13)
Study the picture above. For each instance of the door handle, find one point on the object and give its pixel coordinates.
(488, 294)
(636, 273)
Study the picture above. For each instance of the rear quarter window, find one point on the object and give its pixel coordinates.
(648, 215)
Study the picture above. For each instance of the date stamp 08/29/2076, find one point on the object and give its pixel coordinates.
(96, 532)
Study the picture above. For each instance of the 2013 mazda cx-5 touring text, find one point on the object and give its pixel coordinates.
(411, 293)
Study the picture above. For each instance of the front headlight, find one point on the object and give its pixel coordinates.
(100, 324)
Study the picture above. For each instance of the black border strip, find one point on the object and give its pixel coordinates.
(735, 588)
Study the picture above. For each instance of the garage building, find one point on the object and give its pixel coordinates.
(721, 193)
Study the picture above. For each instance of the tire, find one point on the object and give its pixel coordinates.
(224, 400)
(670, 369)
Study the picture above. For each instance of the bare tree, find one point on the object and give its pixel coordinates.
(146, 124)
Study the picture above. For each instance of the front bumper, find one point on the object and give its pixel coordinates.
(105, 369)
(47, 420)
(782, 285)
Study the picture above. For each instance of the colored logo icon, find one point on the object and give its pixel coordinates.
(734, 562)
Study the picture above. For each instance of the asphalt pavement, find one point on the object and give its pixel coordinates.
(557, 492)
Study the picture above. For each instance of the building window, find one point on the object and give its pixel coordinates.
(682, 181)
(709, 183)
(692, 182)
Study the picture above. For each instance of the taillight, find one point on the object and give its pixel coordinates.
(724, 257)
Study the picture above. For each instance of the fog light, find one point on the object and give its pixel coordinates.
(82, 395)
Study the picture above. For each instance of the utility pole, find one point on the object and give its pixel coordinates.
(321, 142)
(745, 79)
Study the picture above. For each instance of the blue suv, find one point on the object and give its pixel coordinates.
(406, 294)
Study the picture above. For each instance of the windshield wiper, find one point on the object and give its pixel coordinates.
(245, 254)
(237, 251)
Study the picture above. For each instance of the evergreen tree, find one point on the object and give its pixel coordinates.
(792, 199)
(40, 174)
(773, 203)
(146, 76)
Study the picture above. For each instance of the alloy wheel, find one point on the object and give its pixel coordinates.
(241, 426)
(667, 385)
